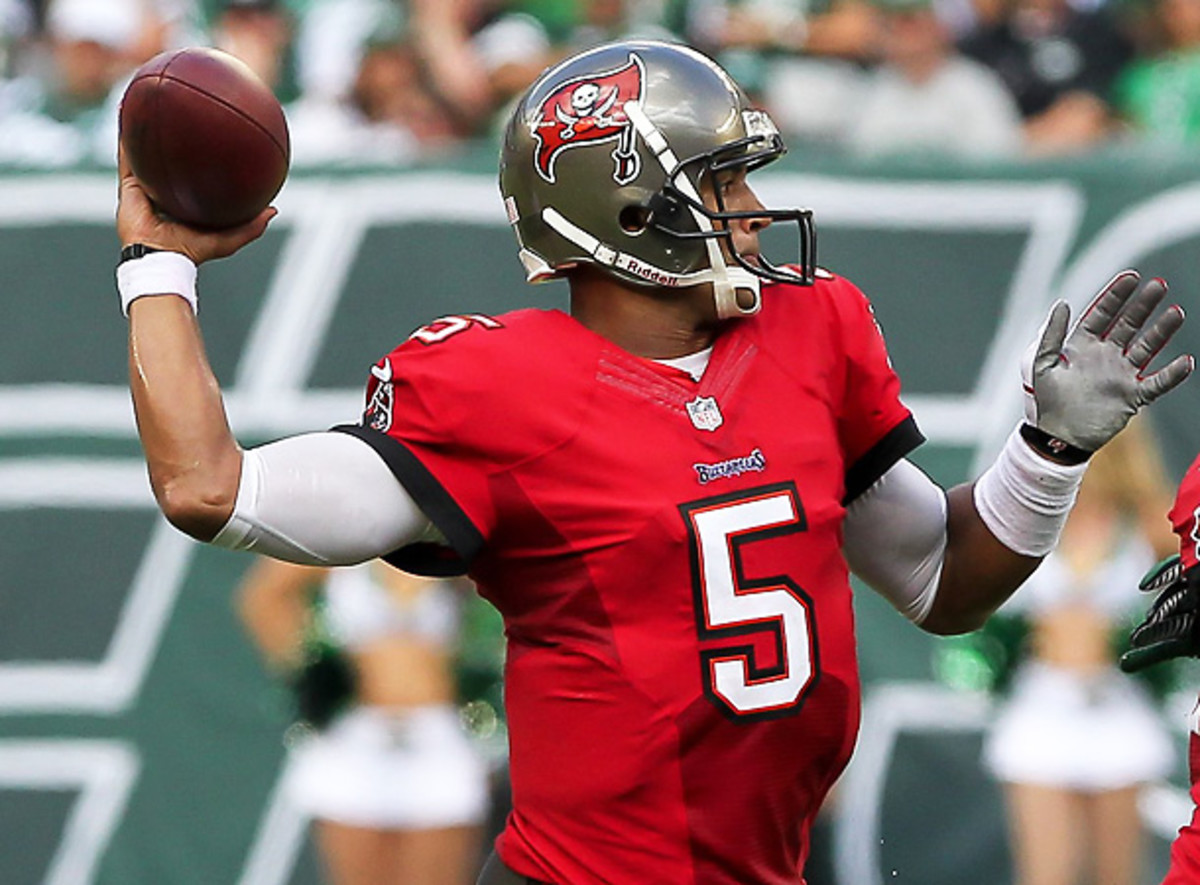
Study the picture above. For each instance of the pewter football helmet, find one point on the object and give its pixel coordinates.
(602, 163)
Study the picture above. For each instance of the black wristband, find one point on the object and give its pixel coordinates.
(1052, 447)
(134, 251)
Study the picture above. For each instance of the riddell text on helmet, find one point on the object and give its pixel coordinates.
(653, 274)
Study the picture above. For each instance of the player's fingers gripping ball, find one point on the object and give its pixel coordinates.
(205, 137)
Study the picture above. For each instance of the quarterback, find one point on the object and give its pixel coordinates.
(664, 490)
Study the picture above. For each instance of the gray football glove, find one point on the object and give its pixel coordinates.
(1082, 387)
(1170, 628)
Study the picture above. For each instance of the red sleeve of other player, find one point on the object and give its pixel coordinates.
(1185, 852)
(1185, 516)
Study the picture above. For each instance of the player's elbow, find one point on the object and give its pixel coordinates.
(948, 617)
(953, 626)
(197, 508)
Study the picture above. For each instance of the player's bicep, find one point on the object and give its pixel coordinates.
(321, 499)
(895, 538)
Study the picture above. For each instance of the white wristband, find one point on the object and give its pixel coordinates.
(1024, 498)
(159, 273)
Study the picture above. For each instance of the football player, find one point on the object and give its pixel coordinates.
(1172, 630)
(663, 490)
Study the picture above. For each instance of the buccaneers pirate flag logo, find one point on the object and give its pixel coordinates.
(587, 111)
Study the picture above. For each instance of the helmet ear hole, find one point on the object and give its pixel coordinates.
(634, 219)
(666, 211)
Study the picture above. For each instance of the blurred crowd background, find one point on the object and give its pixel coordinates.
(393, 82)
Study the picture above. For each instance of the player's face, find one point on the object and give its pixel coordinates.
(736, 195)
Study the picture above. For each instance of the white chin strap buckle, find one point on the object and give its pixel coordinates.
(727, 283)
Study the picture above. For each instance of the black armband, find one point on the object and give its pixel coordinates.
(134, 251)
(1052, 447)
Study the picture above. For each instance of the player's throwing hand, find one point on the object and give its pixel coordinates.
(139, 222)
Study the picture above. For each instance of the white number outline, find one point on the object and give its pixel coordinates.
(729, 606)
(445, 327)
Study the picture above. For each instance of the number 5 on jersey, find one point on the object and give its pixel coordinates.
(734, 614)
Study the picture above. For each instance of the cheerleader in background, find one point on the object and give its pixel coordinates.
(396, 788)
(1075, 738)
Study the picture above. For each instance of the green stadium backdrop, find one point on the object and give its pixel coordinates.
(141, 742)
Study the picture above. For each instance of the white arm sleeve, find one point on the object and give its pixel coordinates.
(321, 499)
(895, 538)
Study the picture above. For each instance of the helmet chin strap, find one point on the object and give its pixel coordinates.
(725, 292)
(726, 281)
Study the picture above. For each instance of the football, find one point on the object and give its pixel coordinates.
(206, 137)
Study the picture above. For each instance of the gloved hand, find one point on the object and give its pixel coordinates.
(1170, 628)
(1081, 388)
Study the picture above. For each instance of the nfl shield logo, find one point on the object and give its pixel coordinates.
(705, 413)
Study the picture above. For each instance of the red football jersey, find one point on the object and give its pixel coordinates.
(1185, 516)
(1185, 851)
(681, 683)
